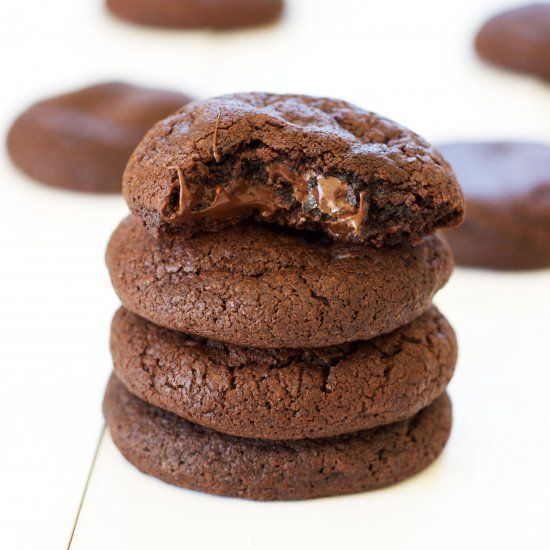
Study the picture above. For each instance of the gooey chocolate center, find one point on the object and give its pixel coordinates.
(328, 194)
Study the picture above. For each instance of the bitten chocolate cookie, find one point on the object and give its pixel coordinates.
(178, 452)
(260, 286)
(507, 189)
(82, 140)
(198, 14)
(286, 394)
(303, 162)
(518, 39)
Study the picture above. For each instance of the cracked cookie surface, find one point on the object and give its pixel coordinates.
(266, 287)
(308, 163)
(179, 452)
(285, 394)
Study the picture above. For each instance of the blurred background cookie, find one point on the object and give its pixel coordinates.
(507, 191)
(518, 39)
(82, 140)
(198, 14)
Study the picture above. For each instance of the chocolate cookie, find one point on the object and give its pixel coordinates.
(507, 189)
(286, 394)
(518, 39)
(178, 452)
(261, 286)
(82, 140)
(303, 162)
(198, 14)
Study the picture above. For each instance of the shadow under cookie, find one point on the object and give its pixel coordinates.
(178, 452)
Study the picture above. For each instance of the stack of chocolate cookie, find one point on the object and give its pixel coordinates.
(278, 338)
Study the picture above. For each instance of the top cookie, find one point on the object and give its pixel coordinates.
(518, 39)
(304, 162)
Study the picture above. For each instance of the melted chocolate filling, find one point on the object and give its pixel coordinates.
(332, 196)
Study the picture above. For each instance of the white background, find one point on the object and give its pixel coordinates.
(411, 61)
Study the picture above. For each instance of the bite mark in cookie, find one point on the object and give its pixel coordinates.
(307, 163)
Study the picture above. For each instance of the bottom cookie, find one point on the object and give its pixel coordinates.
(184, 454)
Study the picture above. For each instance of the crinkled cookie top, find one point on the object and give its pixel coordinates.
(307, 163)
